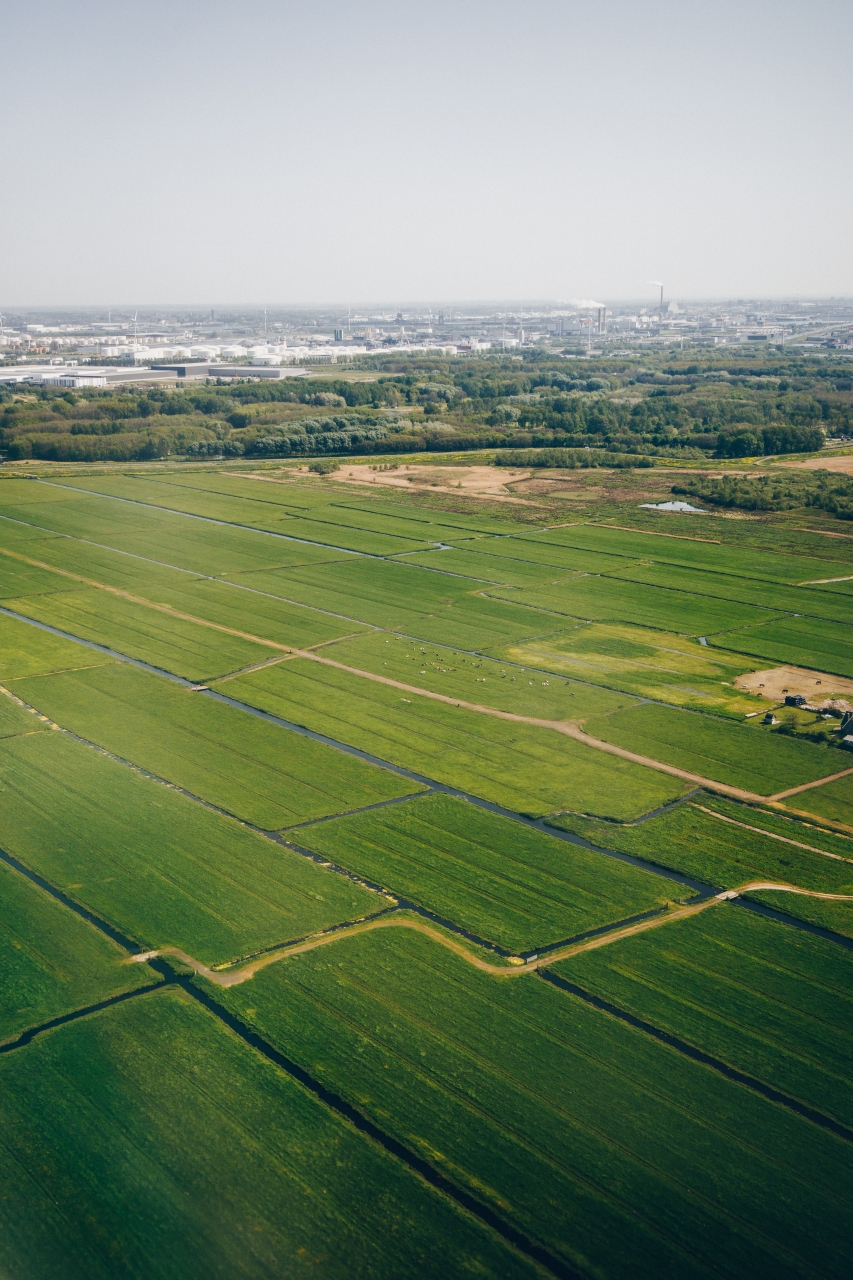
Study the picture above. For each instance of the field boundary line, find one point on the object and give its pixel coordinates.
(566, 727)
(516, 1238)
(809, 786)
(516, 966)
(191, 515)
(149, 604)
(688, 1050)
(652, 533)
(762, 831)
(29, 1034)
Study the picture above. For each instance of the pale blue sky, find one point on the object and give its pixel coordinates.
(375, 151)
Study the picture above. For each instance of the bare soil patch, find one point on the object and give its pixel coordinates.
(474, 482)
(844, 464)
(779, 681)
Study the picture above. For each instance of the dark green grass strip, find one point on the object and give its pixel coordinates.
(518, 1239)
(89, 916)
(31, 1032)
(698, 1055)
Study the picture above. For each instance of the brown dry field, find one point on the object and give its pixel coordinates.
(842, 463)
(778, 681)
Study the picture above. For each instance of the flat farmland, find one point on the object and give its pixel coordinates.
(161, 868)
(833, 801)
(803, 642)
(26, 650)
(647, 663)
(481, 680)
(598, 599)
(569, 559)
(496, 569)
(500, 880)
(15, 720)
(740, 987)
(165, 537)
(204, 597)
(372, 591)
(256, 514)
(746, 756)
(20, 579)
(329, 503)
(719, 853)
(523, 767)
(51, 961)
(256, 770)
(728, 586)
(697, 551)
(480, 624)
(185, 648)
(621, 1156)
(219, 1166)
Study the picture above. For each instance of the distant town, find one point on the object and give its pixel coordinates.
(90, 347)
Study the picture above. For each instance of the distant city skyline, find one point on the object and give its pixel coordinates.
(377, 151)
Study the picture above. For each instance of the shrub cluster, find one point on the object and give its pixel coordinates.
(824, 490)
(570, 459)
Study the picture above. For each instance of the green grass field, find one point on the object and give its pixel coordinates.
(600, 599)
(804, 642)
(522, 767)
(497, 569)
(382, 593)
(26, 650)
(200, 597)
(697, 550)
(185, 648)
(742, 755)
(161, 868)
(148, 1140)
(621, 1156)
(648, 663)
(257, 771)
(51, 961)
(833, 801)
(15, 720)
(718, 853)
(728, 586)
(772, 1003)
(483, 681)
(259, 513)
(505, 882)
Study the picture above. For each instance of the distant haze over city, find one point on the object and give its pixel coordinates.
(322, 155)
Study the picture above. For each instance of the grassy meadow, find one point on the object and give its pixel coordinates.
(522, 767)
(741, 988)
(160, 867)
(614, 1152)
(256, 770)
(504, 882)
(52, 961)
(148, 1140)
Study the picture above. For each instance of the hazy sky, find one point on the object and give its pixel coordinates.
(375, 151)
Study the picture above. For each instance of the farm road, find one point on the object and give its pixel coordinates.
(567, 727)
(233, 977)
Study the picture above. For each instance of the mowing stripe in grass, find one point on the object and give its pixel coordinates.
(31, 1032)
(689, 1051)
(518, 1239)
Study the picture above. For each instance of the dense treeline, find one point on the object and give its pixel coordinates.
(822, 489)
(637, 405)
